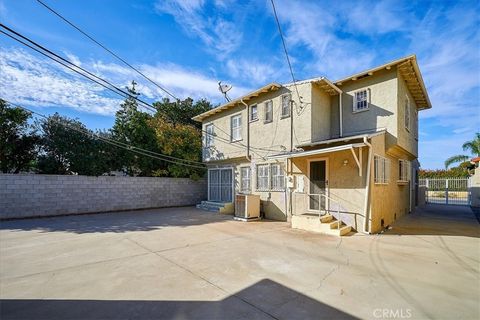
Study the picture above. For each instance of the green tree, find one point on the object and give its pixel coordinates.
(182, 111)
(179, 140)
(132, 127)
(68, 147)
(18, 139)
(472, 146)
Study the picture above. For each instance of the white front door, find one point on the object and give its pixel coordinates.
(220, 185)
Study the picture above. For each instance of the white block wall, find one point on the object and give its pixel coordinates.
(30, 195)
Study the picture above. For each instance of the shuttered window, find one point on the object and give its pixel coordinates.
(286, 105)
(245, 179)
(268, 111)
(277, 177)
(236, 128)
(381, 170)
(262, 176)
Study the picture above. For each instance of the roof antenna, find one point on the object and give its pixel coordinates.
(224, 88)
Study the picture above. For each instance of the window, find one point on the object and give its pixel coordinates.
(360, 101)
(236, 128)
(415, 124)
(209, 136)
(262, 176)
(245, 179)
(270, 177)
(268, 111)
(381, 170)
(403, 170)
(253, 113)
(407, 113)
(286, 105)
(277, 177)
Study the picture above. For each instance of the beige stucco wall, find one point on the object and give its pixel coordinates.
(320, 114)
(475, 188)
(407, 139)
(381, 114)
(345, 186)
(388, 201)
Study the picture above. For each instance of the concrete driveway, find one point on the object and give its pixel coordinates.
(184, 263)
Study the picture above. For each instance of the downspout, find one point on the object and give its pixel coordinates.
(340, 113)
(248, 130)
(367, 187)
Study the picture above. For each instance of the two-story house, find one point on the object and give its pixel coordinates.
(342, 150)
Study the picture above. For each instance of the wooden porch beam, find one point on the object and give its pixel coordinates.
(359, 162)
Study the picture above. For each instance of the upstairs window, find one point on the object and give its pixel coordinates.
(381, 168)
(262, 176)
(407, 113)
(236, 128)
(253, 113)
(277, 177)
(286, 100)
(403, 170)
(268, 111)
(360, 100)
(415, 124)
(245, 179)
(209, 135)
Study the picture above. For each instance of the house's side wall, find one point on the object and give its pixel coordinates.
(320, 119)
(382, 113)
(388, 201)
(265, 138)
(407, 139)
(222, 148)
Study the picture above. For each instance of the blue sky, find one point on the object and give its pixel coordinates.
(188, 46)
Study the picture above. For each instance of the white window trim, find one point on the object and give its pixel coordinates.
(406, 111)
(406, 171)
(232, 139)
(257, 177)
(282, 115)
(248, 178)
(250, 113)
(209, 138)
(270, 177)
(265, 111)
(381, 170)
(354, 104)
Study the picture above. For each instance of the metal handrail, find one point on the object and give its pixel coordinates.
(339, 215)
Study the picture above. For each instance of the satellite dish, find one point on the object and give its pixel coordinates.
(224, 88)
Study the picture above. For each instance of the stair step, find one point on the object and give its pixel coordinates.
(334, 224)
(213, 204)
(326, 218)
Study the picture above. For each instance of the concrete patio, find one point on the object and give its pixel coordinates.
(185, 263)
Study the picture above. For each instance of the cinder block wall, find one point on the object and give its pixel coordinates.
(31, 195)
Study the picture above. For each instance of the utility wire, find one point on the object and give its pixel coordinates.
(285, 49)
(98, 80)
(70, 65)
(114, 142)
(108, 50)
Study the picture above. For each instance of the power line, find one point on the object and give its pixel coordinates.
(116, 143)
(285, 49)
(108, 50)
(98, 80)
(70, 65)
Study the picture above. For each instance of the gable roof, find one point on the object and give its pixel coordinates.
(269, 87)
(408, 68)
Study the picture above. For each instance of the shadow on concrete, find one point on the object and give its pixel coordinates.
(141, 220)
(442, 220)
(265, 299)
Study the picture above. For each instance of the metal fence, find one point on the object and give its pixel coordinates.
(447, 191)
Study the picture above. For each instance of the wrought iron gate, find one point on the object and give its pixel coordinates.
(447, 191)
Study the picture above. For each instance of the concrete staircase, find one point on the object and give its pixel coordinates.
(325, 224)
(220, 207)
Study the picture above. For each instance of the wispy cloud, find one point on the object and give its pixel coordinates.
(219, 34)
(31, 81)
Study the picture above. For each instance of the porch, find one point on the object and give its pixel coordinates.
(328, 188)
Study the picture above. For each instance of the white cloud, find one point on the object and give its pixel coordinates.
(217, 33)
(254, 72)
(31, 81)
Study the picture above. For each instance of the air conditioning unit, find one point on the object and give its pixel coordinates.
(247, 207)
